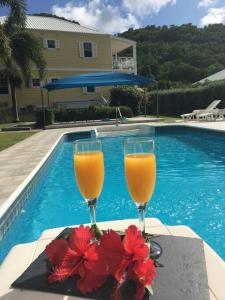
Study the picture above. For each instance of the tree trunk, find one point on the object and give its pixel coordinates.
(14, 102)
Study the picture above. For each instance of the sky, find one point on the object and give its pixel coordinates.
(114, 16)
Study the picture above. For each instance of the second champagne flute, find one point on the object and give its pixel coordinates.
(89, 170)
(140, 172)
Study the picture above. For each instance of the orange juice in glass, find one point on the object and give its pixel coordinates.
(140, 172)
(89, 171)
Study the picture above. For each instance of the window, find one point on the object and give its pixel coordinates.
(50, 43)
(88, 49)
(4, 89)
(90, 90)
(36, 82)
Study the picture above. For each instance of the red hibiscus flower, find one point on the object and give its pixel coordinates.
(135, 245)
(78, 255)
(135, 249)
(135, 265)
(94, 261)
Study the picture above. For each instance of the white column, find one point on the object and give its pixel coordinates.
(135, 58)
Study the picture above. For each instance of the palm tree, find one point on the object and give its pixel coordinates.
(20, 50)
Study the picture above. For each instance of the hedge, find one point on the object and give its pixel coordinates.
(175, 102)
(82, 114)
(47, 114)
(128, 96)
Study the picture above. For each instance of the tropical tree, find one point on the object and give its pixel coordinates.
(20, 50)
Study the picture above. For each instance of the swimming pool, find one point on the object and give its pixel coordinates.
(190, 188)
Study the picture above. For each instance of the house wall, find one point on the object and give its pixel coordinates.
(66, 61)
(68, 56)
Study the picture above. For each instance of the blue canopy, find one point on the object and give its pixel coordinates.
(98, 79)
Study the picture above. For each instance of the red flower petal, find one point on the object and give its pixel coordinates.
(71, 260)
(90, 282)
(90, 257)
(68, 267)
(140, 291)
(110, 252)
(145, 272)
(134, 244)
(56, 250)
(80, 239)
(59, 274)
(120, 272)
(116, 292)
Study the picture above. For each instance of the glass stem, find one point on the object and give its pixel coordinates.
(92, 207)
(141, 211)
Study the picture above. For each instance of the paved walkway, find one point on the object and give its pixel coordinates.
(18, 161)
(219, 125)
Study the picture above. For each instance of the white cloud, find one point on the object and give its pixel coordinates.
(146, 7)
(214, 15)
(207, 3)
(110, 15)
(97, 14)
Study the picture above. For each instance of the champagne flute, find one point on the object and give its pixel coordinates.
(89, 171)
(140, 172)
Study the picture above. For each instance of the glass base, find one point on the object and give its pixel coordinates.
(155, 250)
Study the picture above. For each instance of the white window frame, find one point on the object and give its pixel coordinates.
(35, 86)
(93, 49)
(8, 90)
(45, 43)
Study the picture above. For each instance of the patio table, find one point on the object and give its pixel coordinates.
(21, 256)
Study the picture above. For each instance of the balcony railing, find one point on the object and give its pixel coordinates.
(124, 63)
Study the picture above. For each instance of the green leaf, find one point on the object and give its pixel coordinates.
(157, 264)
(96, 230)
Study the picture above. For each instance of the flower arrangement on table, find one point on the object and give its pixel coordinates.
(95, 259)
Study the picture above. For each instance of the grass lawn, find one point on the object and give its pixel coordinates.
(7, 125)
(8, 139)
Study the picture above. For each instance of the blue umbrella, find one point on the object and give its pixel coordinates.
(98, 79)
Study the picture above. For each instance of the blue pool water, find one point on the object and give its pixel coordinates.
(190, 189)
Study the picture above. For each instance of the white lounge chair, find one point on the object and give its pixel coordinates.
(198, 112)
(208, 115)
(221, 114)
(212, 115)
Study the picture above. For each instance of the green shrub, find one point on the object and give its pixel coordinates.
(175, 102)
(49, 117)
(69, 115)
(91, 113)
(126, 96)
(102, 112)
(126, 111)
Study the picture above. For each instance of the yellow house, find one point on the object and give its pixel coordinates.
(71, 49)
